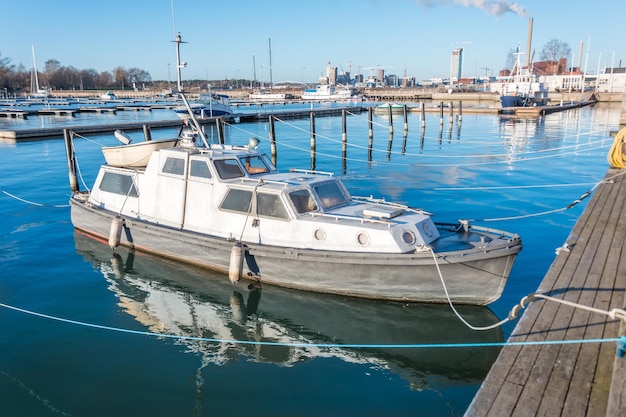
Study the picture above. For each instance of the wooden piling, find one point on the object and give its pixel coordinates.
(460, 111)
(406, 118)
(423, 112)
(390, 112)
(451, 113)
(147, 134)
(313, 136)
(370, 112)
(272, 138)
(344, 129)
(71, 160)
(441, 113)
(220, 131)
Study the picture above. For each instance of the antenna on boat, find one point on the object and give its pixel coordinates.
(179, 85)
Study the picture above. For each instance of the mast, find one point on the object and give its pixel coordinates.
(271, 82)
(36, 90)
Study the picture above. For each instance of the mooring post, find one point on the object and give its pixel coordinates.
(71, 160)
(220, 131)
(441, 113)
(423, 112)
(313, 138)
(406, 118)
(370, 112)
(147, 134)
(390, 112)
(272, 138)
(451, 113)
(460, 111)
(344, 131)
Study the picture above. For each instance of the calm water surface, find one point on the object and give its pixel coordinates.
(282, 352)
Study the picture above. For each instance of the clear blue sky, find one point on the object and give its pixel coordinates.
(413, 35)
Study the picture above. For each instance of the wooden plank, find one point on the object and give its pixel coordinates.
(566, 379)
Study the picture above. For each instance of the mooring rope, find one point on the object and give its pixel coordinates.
(608, 180)
(613, 314)
(33, 202)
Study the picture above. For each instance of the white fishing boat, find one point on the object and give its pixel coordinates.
(521, 89)
(325, 92)
(228, 208)
(207, 105)
(267, 96)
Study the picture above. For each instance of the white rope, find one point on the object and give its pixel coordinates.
(32, 202)
(613, 314)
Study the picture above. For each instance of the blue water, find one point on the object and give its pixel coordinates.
(484, 167)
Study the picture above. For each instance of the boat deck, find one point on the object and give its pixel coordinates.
(570, 379)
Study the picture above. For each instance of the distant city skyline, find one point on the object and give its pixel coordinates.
(229, 40)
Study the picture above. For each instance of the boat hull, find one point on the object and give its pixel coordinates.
(473, 276)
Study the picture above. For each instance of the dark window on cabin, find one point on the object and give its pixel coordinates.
(303, 201)
(269, 205)
(174, 166)
(199, 168)
(237, 200)
(118, 184)
(330, 194)
(228, 168)
(254, 165)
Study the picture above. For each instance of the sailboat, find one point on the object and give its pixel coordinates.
(35, 90)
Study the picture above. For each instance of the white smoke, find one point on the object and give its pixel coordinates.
(496, 8)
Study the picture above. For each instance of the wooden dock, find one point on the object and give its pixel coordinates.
(574, 379)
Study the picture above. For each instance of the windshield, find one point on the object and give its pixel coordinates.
(330, 194)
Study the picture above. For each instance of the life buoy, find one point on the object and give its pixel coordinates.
(616, 153)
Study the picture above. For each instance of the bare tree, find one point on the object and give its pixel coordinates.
(554, 51)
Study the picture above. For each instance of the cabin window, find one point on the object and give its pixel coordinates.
(199, 168)
(271, 205)
(118, 184)
(174, 166)
(330, 194)
(268, 205)
(228, 168)
(303, 201)
(254, 165)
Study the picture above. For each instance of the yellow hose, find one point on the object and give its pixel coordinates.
(616, 154)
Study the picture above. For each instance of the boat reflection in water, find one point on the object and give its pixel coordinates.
(287, 327)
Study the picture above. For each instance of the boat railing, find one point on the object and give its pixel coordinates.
(361, 220)
(310, 171)
(383, 202)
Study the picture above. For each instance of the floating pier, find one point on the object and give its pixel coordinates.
(549, 370)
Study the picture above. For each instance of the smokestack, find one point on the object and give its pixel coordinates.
(580, 54)
(530, 39)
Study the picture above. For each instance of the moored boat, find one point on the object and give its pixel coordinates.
(229, 208)
(207, 105)
(325, 92)
(384, 108)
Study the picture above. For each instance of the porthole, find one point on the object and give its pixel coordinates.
(408, 237)
(319, 234)
(363, 239)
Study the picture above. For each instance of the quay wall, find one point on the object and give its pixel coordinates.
(374, 94)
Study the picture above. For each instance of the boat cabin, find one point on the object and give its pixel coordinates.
(235, 193)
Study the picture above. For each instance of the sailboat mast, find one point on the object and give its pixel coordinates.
(35, 72)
